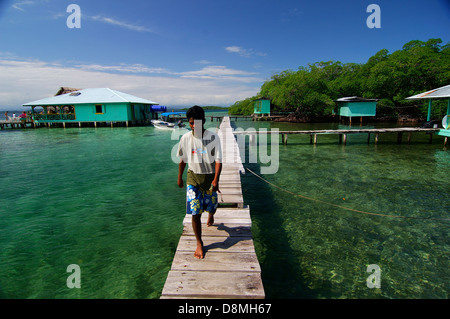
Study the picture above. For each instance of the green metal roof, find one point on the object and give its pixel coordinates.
(95, 95)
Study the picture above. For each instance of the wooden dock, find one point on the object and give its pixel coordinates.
(230, 268)
(14, 123)
(247, 117)
(343, 133)
(235, 117)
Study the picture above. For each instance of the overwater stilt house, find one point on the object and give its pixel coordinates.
(95, 105)
(354, 106)
(261, 107)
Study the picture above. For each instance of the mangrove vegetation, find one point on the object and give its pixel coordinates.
(311, 92)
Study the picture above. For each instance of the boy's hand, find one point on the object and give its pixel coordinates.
(215, 186)
(180, 183)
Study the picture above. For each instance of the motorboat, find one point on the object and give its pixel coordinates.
(170, 120)
(163, 124)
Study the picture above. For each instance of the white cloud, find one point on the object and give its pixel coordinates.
(123, 68)
(19, 5)
(243, 52)
(218, 72)
(23, 81)
(107, 20)
(239, 50)
(203, 62)
(118, 23)
(213, 72)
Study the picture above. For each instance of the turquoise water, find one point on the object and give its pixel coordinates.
(107, 200)
(104, 199)
(311, 249)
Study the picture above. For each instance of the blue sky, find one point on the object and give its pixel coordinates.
(186, 52)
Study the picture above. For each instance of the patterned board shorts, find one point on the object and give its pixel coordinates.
(199, 201)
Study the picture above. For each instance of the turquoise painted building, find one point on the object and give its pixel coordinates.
(94, 105)
(354, 106)
(262, 107)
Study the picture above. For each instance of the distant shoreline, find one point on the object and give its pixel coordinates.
(210, 108)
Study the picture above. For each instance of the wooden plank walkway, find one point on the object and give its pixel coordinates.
(343, 133)
(230, 268)
(219, 118)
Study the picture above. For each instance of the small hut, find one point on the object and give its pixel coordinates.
(261, 107)
(354, 106)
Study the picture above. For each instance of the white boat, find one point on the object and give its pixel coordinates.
(173, 120)
(163, 125)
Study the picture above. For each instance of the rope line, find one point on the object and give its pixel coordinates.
(339, 206)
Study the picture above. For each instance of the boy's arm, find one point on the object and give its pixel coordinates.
(215, 182)
(181, 168)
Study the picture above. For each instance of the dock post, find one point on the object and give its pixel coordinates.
(315, 138)
(399, 137)
(368, 139)
(376, 138)
(345, 139)
(252, 139)
(409, 137)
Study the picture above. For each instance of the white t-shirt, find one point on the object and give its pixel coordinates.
(200, 154)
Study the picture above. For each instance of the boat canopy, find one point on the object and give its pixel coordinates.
(173, 113)
(159, 108)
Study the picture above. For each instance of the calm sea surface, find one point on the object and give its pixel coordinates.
(106, 200)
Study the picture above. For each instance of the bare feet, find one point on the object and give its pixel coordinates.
(199, 252)
(210, 221)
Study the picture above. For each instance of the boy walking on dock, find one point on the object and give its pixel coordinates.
(201, 150)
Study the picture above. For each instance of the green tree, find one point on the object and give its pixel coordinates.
(311, 91)
(243, 107)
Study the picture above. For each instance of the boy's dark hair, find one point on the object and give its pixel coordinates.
(196, 112)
